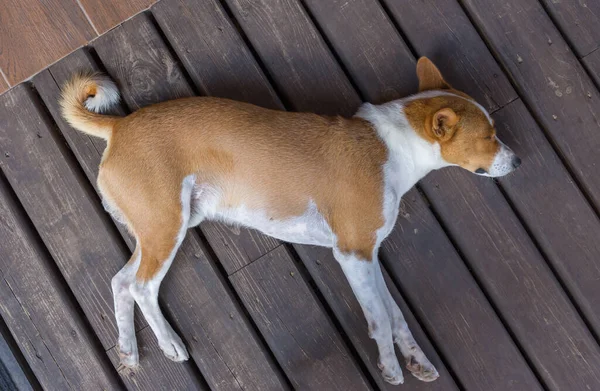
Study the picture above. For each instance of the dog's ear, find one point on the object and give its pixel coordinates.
(430, 78)
(444, 123)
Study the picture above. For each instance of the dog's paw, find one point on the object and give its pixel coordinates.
(174, 349)
(391, 372)
(128, 354)
(422, 369)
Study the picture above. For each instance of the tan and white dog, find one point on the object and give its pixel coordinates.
(299, 177)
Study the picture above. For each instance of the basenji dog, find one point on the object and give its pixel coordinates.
(299, 177)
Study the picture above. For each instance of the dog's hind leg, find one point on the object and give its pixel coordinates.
(124, 303)
(159, 240)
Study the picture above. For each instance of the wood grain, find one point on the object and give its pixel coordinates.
(566, 235)
(294, 68)
(467, 363)
(296, 328)
(67, 216)
(154, 372)
(3, 85)
(592, 63)
(221, 65)
(44, 321)
(222, 343)
(182, 24)
(578, 21)
(356, 49)
(549, 78)
(441, 30)
(332, 283)
(35, 33)
(107, 14)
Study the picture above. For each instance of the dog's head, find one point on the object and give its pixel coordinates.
(463, 128)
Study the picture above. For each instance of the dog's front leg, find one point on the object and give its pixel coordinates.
(362, 274)
(416, 361)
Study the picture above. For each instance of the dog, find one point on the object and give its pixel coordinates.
(299, 177)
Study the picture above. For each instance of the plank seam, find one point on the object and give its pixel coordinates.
(478, 283)
(29, 227)
(583, 189)
(330, 313)
(18, 355)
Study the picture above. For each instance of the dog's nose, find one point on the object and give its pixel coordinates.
(516, 162)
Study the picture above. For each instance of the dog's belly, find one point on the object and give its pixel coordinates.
(308, 228)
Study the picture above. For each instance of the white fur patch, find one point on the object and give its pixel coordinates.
(107, 95)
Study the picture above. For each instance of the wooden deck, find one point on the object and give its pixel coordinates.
(499, 280)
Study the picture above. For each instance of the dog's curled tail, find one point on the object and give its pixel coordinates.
(84, 97)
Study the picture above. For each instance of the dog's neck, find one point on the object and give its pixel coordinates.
(410, 156)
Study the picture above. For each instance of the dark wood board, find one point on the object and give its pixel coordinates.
(549, 78)
(516, 277)
(450, 303)
(442, 31)
(578, 21)
(288, 68)
(496, 377)
(45, 322)
(359, 47)
(141, 63)
(592, 64)
(36, 33)
(332, 283)
(547, 296)
(213, 53)
(295, 326)
(218, 58)
(161, 376)
(553, 208)
(67, 216)
(224, 347)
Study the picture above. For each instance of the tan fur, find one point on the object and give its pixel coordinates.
(468, 140)
(74, 94)
(264, 159)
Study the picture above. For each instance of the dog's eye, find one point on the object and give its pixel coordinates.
(488, 137)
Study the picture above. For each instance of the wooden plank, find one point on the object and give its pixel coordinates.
(454, 46)
(213, 53)
(549, 78)
(72, 226)
(578, 21)
(289, 72)
(107, 14)
(35, 34)
(468, 361)
(357, 49)
(60, 349)
(3, 83)
(462, 215)
(333, 285)
(199, 18)
(592, 63)
(220, 65)
(569, 246)
(308, 347)
(447, 299)
(224, 347)
(553, 208)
